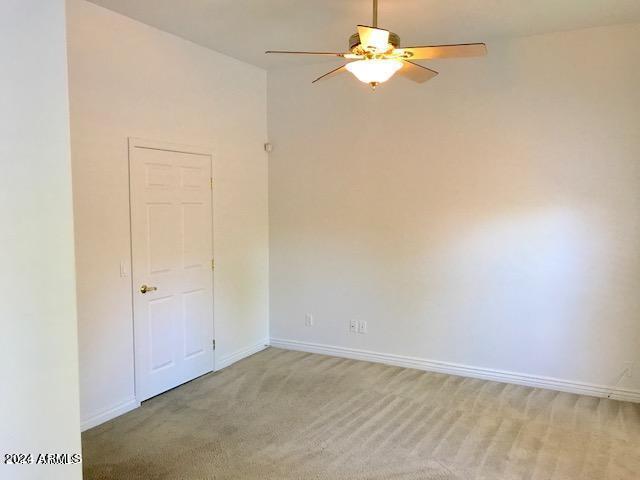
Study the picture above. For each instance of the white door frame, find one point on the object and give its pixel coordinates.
(136, 142)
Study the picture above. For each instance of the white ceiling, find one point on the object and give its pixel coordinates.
(244, 29)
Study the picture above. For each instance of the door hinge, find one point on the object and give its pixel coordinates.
(211, 182)
(213, 264)
(214, 343)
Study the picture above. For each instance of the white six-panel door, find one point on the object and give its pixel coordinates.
(171, 241)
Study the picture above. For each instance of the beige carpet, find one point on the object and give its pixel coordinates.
(290, 415)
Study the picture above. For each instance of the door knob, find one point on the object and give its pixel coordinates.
(146, 288)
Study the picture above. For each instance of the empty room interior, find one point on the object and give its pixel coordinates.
(343, 239)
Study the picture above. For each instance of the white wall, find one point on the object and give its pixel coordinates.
(38, 346)
(128, 79)
(488, 218)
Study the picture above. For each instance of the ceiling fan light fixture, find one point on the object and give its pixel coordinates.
(375, 70)
(378, 56)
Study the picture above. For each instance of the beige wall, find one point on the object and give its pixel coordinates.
(38, 344)
(488, 218)
(128, 79)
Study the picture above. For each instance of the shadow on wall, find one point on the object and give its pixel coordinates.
(532, 289)
(529, 284)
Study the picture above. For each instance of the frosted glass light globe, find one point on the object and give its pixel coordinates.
(374, 71)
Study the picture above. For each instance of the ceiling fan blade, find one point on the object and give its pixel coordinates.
(416, 72)
(373, 37)
(333, 72)
(330, 54)
(445, 51)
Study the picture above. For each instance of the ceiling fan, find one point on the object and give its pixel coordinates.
(376, 55)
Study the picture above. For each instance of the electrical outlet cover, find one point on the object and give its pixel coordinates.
(353, 326)
(362, 327)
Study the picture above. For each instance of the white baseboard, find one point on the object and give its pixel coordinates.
(240, 354)
(462, 370)
(107, 415)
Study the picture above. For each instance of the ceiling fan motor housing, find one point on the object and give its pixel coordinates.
(354, 41)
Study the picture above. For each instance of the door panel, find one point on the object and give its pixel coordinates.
(162, 242)
(171, 240)
(195, 305)
(161, 315)
(195, 246)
